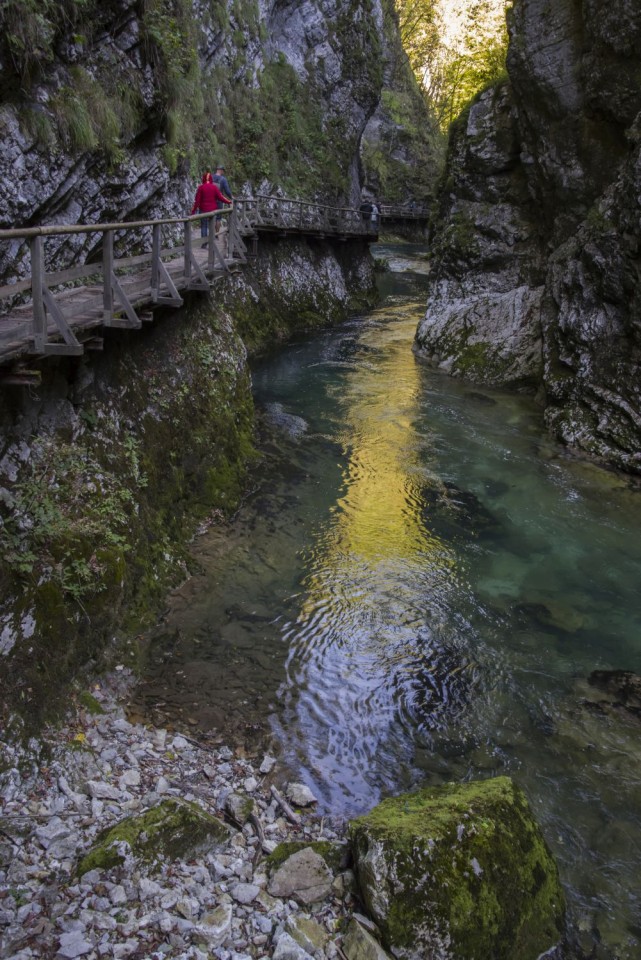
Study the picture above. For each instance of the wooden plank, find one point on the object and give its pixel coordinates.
(83, 306)
(73, 273)
(59, 319)
(125, 303)
(10, 289)
(37, 279)
(58, 350)
(107, 274)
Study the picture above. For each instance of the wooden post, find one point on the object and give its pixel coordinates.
(187, 260)
(107, 274)
(37, 283)
(211, 242)
(231, 234)
(155, 262)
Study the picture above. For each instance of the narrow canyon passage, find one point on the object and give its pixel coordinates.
(417, 590)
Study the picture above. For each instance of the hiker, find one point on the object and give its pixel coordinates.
(221, 182)
(374, 215)
(208, 197)
(366, 211)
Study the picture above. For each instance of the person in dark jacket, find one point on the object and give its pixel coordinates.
(366, 211)
(208, 198)
(221, 182)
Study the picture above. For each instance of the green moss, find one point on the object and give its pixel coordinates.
(90, 703)
(464, 864)
(173, 830)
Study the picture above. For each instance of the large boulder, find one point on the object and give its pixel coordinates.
(459, 872)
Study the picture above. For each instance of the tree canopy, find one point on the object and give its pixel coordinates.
(452, 71)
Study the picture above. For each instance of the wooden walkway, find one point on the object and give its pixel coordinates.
(65, 312)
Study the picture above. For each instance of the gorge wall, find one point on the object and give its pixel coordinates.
(537, 270)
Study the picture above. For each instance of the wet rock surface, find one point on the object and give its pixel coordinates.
(535, 280)
(165, 890)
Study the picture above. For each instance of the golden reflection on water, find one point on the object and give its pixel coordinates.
(379, 520)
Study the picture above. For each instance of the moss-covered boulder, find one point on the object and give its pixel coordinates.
(459, 872)
(172, 830)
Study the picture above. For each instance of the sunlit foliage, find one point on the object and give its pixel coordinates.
(452, 70)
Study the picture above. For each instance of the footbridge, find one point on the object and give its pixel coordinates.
(66, 311)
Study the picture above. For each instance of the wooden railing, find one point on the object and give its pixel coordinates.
(281, 213)
(66, 306)
(154, 276)
(398, 211)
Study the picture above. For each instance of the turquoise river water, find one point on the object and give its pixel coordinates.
(416, 591)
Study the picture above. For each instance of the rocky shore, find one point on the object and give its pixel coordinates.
(197, 888)
(119, 840)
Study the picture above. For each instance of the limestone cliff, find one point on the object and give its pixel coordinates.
(109, 111)
(536, 276)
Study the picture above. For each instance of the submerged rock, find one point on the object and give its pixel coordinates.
(622, 688)
(459, 872)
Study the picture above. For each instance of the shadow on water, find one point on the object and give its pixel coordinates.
(418, 590)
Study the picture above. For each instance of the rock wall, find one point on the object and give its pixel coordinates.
(107, 469)
(536, 276)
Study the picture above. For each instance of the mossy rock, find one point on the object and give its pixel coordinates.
(334, 854)
(172, 830)
(459, 872)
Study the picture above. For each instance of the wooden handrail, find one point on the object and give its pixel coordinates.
(120, 293)
(54, 230)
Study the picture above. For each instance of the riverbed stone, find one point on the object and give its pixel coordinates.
(288, 949)
(245, 892)
(360, 944)
(304, 876)
(174, 829)
(267, 765)
(239, 807)
(100, 790)
(335, 855)
(620, 690)
(300, 795)
(307, 932)
(215, 926)
(458, 872)
(73, 944)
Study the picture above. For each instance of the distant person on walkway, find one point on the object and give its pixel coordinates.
(366, 211)
(221, 182)
(208, 198)
(374, 215)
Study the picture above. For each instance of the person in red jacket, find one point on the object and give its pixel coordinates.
(208, 198)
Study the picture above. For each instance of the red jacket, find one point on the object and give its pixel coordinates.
(208, 198)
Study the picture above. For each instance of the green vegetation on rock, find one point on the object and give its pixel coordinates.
(173, 830)
(459, 871)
